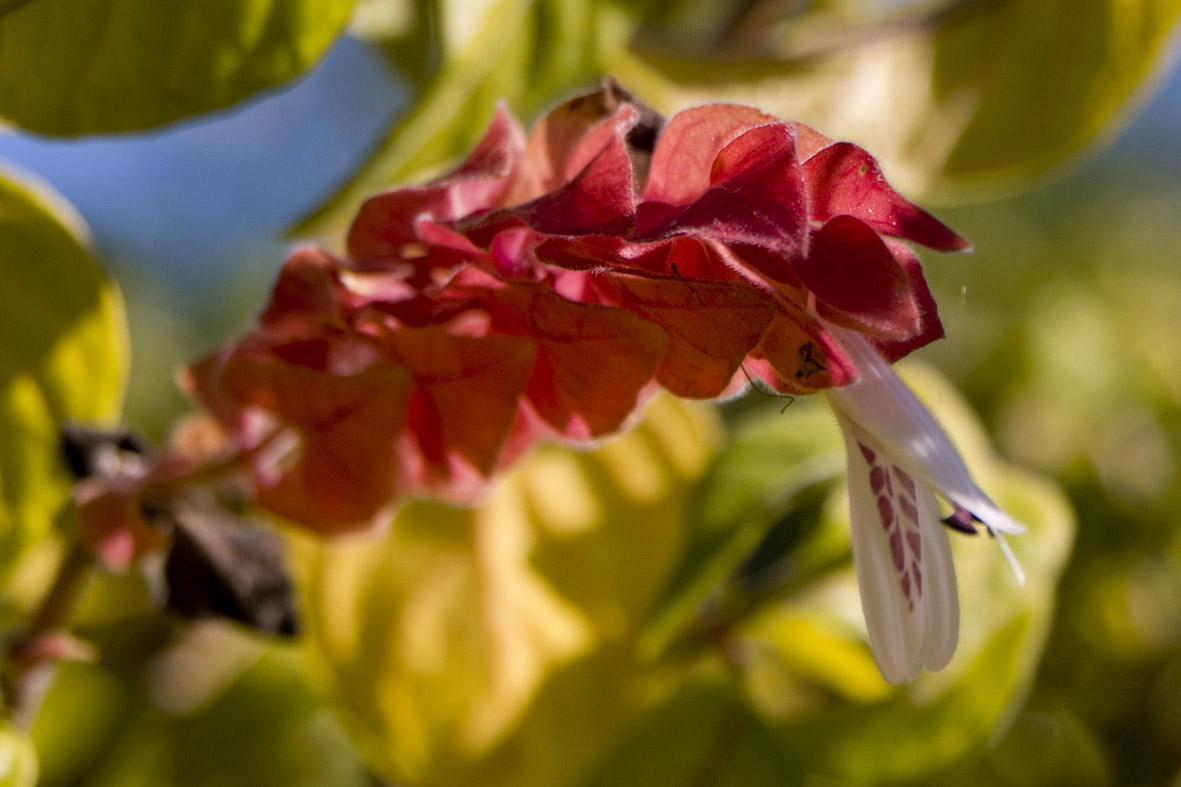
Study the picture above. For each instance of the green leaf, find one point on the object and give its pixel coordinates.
(219, 708)
(7, 6)
(63, 355)
(957, 99)
(103, 66)
(525, 52)
(775, 459)
(1047, 744)
(705, 736)
(83, 712)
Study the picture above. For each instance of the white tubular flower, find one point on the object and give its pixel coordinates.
(900, 459)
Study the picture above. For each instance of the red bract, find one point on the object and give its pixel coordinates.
(548, 284)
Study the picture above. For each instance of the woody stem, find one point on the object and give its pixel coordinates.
(20, 688)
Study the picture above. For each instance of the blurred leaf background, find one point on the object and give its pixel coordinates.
(677, 606)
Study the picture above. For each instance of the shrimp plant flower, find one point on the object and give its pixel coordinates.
(547, 286)
(900, 461)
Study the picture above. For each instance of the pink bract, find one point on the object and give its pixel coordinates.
(547, 285)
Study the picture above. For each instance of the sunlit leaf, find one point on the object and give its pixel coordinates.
(18, 758)
(1099, 56)
(525, 52)
(63, 355)
(955, 98)
(97, 66)
(495, 646)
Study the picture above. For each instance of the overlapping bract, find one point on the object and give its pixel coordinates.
(548, 284)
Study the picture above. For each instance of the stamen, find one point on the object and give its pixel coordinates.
(1018, 572)
(962, 520)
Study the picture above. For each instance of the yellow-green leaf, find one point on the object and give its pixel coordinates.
(63, 354)
(101, 66)
(1050, 78)
(495, 646)
(957, 99)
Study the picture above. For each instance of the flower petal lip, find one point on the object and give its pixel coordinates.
(902, 558)
(899, 459)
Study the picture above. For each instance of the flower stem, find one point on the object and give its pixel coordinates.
(27, 659)
(63, 595)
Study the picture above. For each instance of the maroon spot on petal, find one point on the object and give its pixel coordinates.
(918, 577)
(886, 512)
(908, 510)
(870, 456)
(906, 588)
(877, 479)
(905, 480)
(896, 553)
(916, 544)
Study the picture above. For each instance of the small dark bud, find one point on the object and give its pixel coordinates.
(220, 565)
(96, 452)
